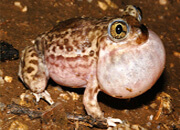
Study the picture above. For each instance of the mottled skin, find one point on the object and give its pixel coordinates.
(81, 53)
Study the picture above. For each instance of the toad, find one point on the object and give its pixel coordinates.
(116, 55)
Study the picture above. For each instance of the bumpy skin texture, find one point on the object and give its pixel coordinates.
(80, 53)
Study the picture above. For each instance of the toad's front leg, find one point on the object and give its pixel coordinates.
(34, 73)
(91, 104)
(90, 98)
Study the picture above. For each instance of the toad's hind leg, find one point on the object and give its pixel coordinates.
(34, 73)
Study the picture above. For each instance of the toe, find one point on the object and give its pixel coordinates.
(113, 121)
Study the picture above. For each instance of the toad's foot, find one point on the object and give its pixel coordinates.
(112, 121)
(45, 95)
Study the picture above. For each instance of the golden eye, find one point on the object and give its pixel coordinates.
(118, 29)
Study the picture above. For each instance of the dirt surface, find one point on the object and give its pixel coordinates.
(158, 108)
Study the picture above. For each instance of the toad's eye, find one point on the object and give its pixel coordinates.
(118, 29)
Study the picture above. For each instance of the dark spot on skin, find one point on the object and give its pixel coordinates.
(52, 57)
(96, 90)
(102, 39)
(63, 67)
(87, 44)
(45, 42)
(66, 41)
(50, 37)
(91, 53)
(30, 69)
(66, 32)
(35, 62)
(96, 28)
(97, 44)
(56, 65)
(22, 64)
(85, 57)
(60, 57)
(37, 42)
(97, 53)
(104, 46)
(91, 106)
(78, 74)
(88, 30)
(98, 33)
(61, 47)
(93, 91)
(104, 28)
(57, 35)
(42, 41)
(69, 48)
(78, 33)
(54, 49)
(91, 96)
(30, 50)
(57, 42)
(48, 45)
(34, 54)
(73, 32)
(83, 37)
(129, 89)
(83, 50)
(63, 35)
(75, 43)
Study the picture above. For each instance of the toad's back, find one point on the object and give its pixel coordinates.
(71, 49)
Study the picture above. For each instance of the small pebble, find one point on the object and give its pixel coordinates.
(2, 106)
(1, 81)
(158, 127)
(161, 17)
(1, 73)
(24, 102)
(151, 117)
(111, 4)
(153, 105)
(74, 95)
(24, 9)
(162, 2)
(64, 96)
(8, 79)
(148, 124)
(58, 89)
(18, 4)
(102, 5)
(177, 54)
(89, 1)
(17, 125)
(171, 65)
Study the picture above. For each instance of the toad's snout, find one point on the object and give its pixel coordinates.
(131, 71)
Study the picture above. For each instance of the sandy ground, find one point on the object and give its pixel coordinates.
(19, 26)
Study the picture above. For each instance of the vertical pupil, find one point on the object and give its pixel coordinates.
(118, 29)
